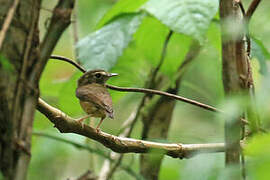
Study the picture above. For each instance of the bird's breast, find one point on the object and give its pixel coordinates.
(91, 109)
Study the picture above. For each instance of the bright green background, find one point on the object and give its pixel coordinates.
(203, 82)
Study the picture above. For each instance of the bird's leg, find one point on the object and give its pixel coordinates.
(83, 118)
(97, 128)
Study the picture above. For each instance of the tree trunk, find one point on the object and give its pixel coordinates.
(18, 95)
(156, 126)
(157, 119)
(236, 72)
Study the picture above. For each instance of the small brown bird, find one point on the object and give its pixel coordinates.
(94, 98)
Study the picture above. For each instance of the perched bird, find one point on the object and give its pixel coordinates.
(94, 98)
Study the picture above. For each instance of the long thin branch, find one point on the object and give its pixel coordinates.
(149, 91)
(58, 24)
(7, 21)
(169, 95)
(163, 55)
(66, 124)
(143, 90)
(62, 58)
(251, 9)
(75, 28)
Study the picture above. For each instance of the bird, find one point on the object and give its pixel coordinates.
(93, 95)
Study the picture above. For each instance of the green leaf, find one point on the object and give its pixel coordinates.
(258, 146)
(101, 49)
(1, 176)
(5, 64)
(190, 17)
(259, 51)
(121, 7)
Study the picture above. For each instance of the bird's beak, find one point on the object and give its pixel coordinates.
(113, 74)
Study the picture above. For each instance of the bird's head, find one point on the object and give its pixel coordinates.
(95, 76)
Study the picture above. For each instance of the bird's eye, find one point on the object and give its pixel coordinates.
(98, 75)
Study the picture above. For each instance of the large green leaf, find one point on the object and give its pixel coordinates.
(190, 17)
(259, 52)
(122, 6)
(144, 53)
(258, 148)
(101, 49)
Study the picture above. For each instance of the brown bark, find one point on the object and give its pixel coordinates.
(156, 126)
(66, 124)
(19, 90)
(158, 115)
(236, 74)
(18, 96)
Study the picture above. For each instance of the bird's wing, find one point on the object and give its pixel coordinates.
(97, 95)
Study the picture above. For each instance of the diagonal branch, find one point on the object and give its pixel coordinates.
(150, 91)
(66, 124)
(62, 58)
(7, 21)
(251, 9)
(143, 90)
(162, 58)
(59, 22)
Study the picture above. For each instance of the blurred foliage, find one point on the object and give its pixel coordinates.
(259, 51)
(258, 152)
(133, 61)
(5, 64)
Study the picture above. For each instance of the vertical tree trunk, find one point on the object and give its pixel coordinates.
(158, 115)
(235, 71)
(156, 126)
(22, 63)
(18, 95)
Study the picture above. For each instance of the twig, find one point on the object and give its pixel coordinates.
(62, 58)
(66, 124)
(163, 55)
(251, 9)
(75, 28)
(169, 95)
(88, 148)
(126, 124)
(243, 165)
(143, 90)
(88, 175)
(149, 91)
(59, 22)
(241, 7)
(7, 21)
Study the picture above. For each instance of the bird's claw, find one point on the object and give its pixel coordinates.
(80, 121)
(98, 130)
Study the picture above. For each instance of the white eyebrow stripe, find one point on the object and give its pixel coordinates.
(103, 73)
